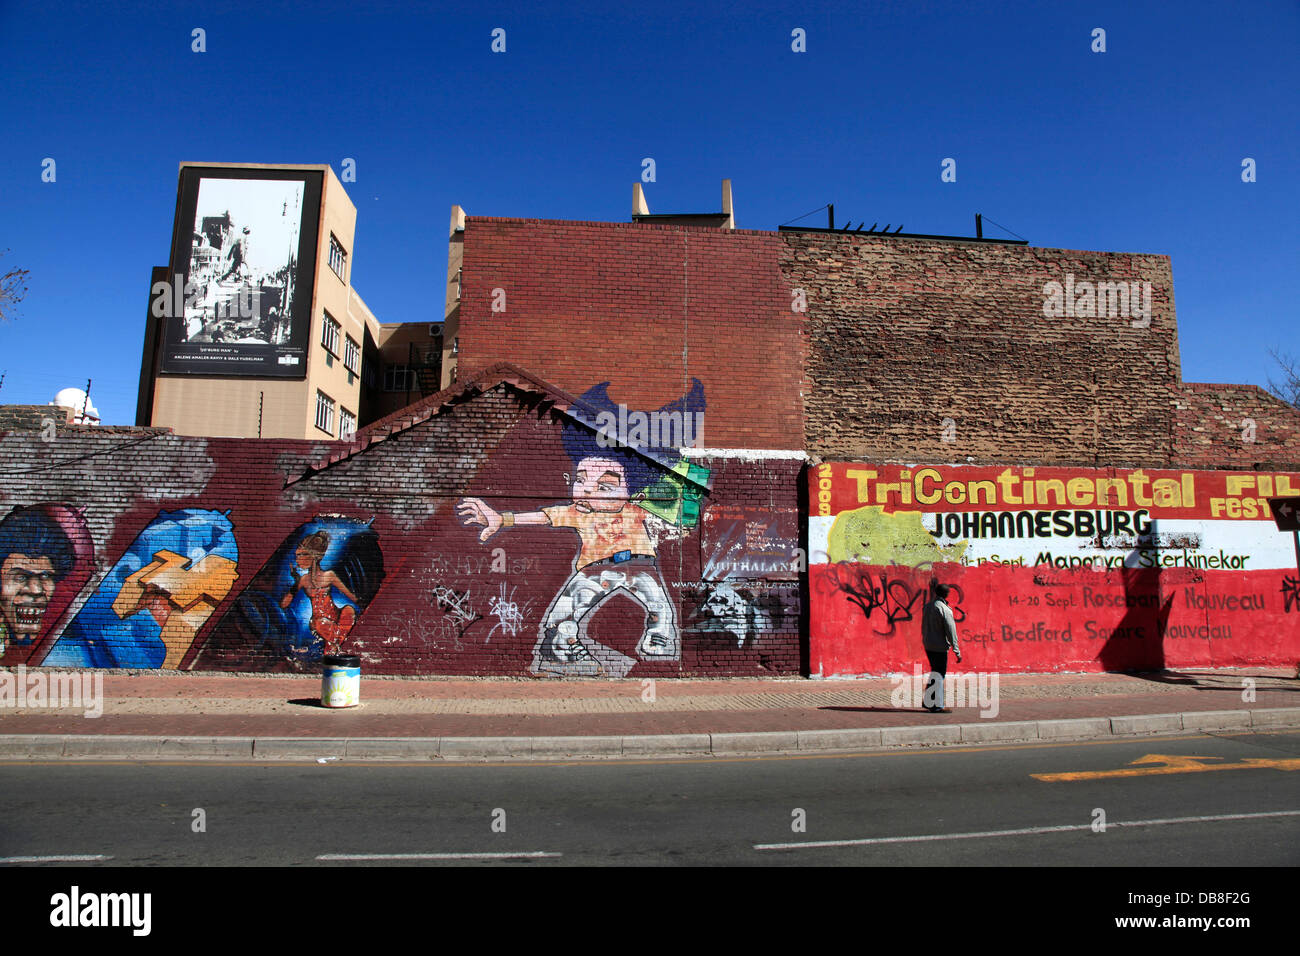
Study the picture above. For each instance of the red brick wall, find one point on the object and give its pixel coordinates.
(1213, 427)
(444, 602)
(646, 307)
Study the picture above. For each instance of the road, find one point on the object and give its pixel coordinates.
(977, 806)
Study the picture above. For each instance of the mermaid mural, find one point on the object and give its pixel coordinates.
(304, 603)
(329, 621)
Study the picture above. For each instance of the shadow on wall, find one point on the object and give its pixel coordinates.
(1137, 643)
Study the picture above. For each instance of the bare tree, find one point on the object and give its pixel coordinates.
(13, 286)
(1289, 388)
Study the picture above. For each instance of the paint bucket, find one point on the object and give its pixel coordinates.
(340, 682)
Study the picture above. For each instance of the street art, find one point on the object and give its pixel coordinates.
(1051, 568)
(150, 606)
(304, 603)
(1290, 594)
(896, 598)
(726, 608)
(622, 504)
(510, 617)
(46, 558)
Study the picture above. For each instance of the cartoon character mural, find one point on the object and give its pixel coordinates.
(46, 558)
(621, 505)
(150, 606)
(305, 601)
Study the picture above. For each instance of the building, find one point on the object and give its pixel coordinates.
(254, 328)
(871, 414)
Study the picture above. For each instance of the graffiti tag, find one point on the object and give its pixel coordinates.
(895, 599)
(509, 617)
(1290, 593)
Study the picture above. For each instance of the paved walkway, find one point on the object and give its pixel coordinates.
(255, 706)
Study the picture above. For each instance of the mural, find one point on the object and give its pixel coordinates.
(613, 560)
(622, 503)
(304, 602)
(1051, 568)
(46, 558)
(150, 606)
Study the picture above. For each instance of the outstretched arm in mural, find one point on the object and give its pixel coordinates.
(476, 511)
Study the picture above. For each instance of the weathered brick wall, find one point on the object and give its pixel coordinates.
(647, 308)
(32, 416)
(178, 550)
(1234, 426)
(905, 333)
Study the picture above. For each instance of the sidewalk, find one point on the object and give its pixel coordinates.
(150, 714)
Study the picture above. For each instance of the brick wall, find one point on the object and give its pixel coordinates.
(33, 416)
(647, 308)
(177, 551)
(1234, 426)
(905, 333)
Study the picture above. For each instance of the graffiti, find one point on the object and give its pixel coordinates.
(620, 503)
(729, 610)
(150, 606)
(895, 598)
(46, 556)
(305, 602)
(454, 604)
(1290, 593)
(508, 614)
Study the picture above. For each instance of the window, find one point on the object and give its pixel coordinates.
(330, 334)
(397, 378)
(347, 424)
(351, 355)
(324, 413)
(338, 259)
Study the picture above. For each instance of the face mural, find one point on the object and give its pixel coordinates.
(621, 504)
(45, 558)
(304, 603)
(152, 604)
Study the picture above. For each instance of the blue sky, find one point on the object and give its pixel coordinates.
(1137, 149)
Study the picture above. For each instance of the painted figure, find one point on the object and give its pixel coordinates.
(330, 622)
(35, 555)
(617, 553)
(150, 607)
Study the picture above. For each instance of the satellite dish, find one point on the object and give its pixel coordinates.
(75, 399)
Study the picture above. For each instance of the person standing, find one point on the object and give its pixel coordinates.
(938, 633)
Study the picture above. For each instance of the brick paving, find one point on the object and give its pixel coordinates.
(187, 704)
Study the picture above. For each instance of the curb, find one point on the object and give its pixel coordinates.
(136, 747)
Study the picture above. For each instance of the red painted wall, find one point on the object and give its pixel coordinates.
(1214, 584)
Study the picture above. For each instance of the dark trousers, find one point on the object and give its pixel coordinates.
(938, 661)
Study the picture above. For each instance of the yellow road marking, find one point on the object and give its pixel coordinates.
(1153, 764)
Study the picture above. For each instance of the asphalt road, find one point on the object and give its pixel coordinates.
(739, 811)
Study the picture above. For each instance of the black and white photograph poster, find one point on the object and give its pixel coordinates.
(246, 251)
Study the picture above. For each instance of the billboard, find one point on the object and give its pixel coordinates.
(1050, 569)
(243, 264)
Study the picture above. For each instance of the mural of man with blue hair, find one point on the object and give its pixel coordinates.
(616, 554)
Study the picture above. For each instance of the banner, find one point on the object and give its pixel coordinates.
(1051, 568)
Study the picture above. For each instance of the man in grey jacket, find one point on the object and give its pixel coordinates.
(938, 633)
